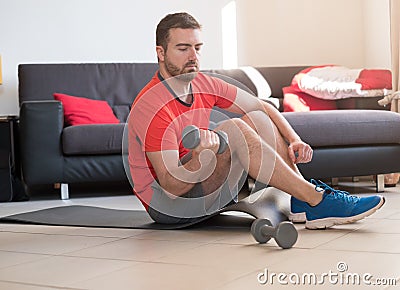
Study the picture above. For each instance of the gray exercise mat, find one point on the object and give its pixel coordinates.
(260, 206)
(89, 216)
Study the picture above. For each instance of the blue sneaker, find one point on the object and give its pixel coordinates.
(337, 208)
(297, 213)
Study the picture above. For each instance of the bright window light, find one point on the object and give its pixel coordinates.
(229, 36)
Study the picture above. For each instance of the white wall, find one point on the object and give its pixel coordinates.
(270, 32)
(293, 32)
(377, 34)
(52, 31)
(353, 33)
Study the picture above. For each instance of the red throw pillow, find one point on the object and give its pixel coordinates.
(80, 111)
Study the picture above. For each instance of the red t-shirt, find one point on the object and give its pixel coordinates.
(158, 118)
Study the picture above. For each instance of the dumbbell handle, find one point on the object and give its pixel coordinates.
(191, 138)
(268, 231)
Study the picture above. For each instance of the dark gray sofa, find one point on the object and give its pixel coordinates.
(346, 143)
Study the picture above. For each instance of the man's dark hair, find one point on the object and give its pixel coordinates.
(177, 20)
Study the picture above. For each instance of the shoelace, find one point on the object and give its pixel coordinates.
(347, 197)
(337, 194)
(323, 186)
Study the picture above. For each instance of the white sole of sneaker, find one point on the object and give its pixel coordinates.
(330, 222)
(297, 217)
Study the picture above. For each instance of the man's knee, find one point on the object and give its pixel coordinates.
(255, 117)
(234, 124)
(260, 122)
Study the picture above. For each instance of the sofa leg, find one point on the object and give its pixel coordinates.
(380, 183)
(334, 182)
(64, 191)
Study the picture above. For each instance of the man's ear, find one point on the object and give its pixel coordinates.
(160, 52)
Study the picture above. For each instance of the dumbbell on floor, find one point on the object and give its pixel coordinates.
(285, 234)
(191, 138)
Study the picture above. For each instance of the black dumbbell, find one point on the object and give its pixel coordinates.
(191, 138)
(285, 234)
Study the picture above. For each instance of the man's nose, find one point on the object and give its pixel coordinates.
(193, 55)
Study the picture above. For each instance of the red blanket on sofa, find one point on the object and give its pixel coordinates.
(317, 87)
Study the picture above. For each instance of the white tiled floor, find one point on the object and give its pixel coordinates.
(50, 257)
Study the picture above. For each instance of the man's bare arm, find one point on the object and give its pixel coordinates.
(178, 179)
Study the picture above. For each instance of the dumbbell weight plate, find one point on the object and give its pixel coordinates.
(223, 141)
(286, 235)
(190, 137)
(256, 230)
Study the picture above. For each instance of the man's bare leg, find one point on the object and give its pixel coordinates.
(262, 162)
(269, 133)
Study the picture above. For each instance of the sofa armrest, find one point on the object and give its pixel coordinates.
(41, 125)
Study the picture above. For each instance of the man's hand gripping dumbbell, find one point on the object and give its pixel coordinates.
(191, 138)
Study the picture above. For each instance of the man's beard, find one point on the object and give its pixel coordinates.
(180, 73)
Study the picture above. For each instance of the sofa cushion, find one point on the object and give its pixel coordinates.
(346, 127)
(93, 139)
(116, 83)
(122, 112)
(80, 111)
(235, 77)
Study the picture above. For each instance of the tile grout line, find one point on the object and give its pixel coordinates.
(41, 285)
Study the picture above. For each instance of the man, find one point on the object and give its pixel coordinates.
(177, 185)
